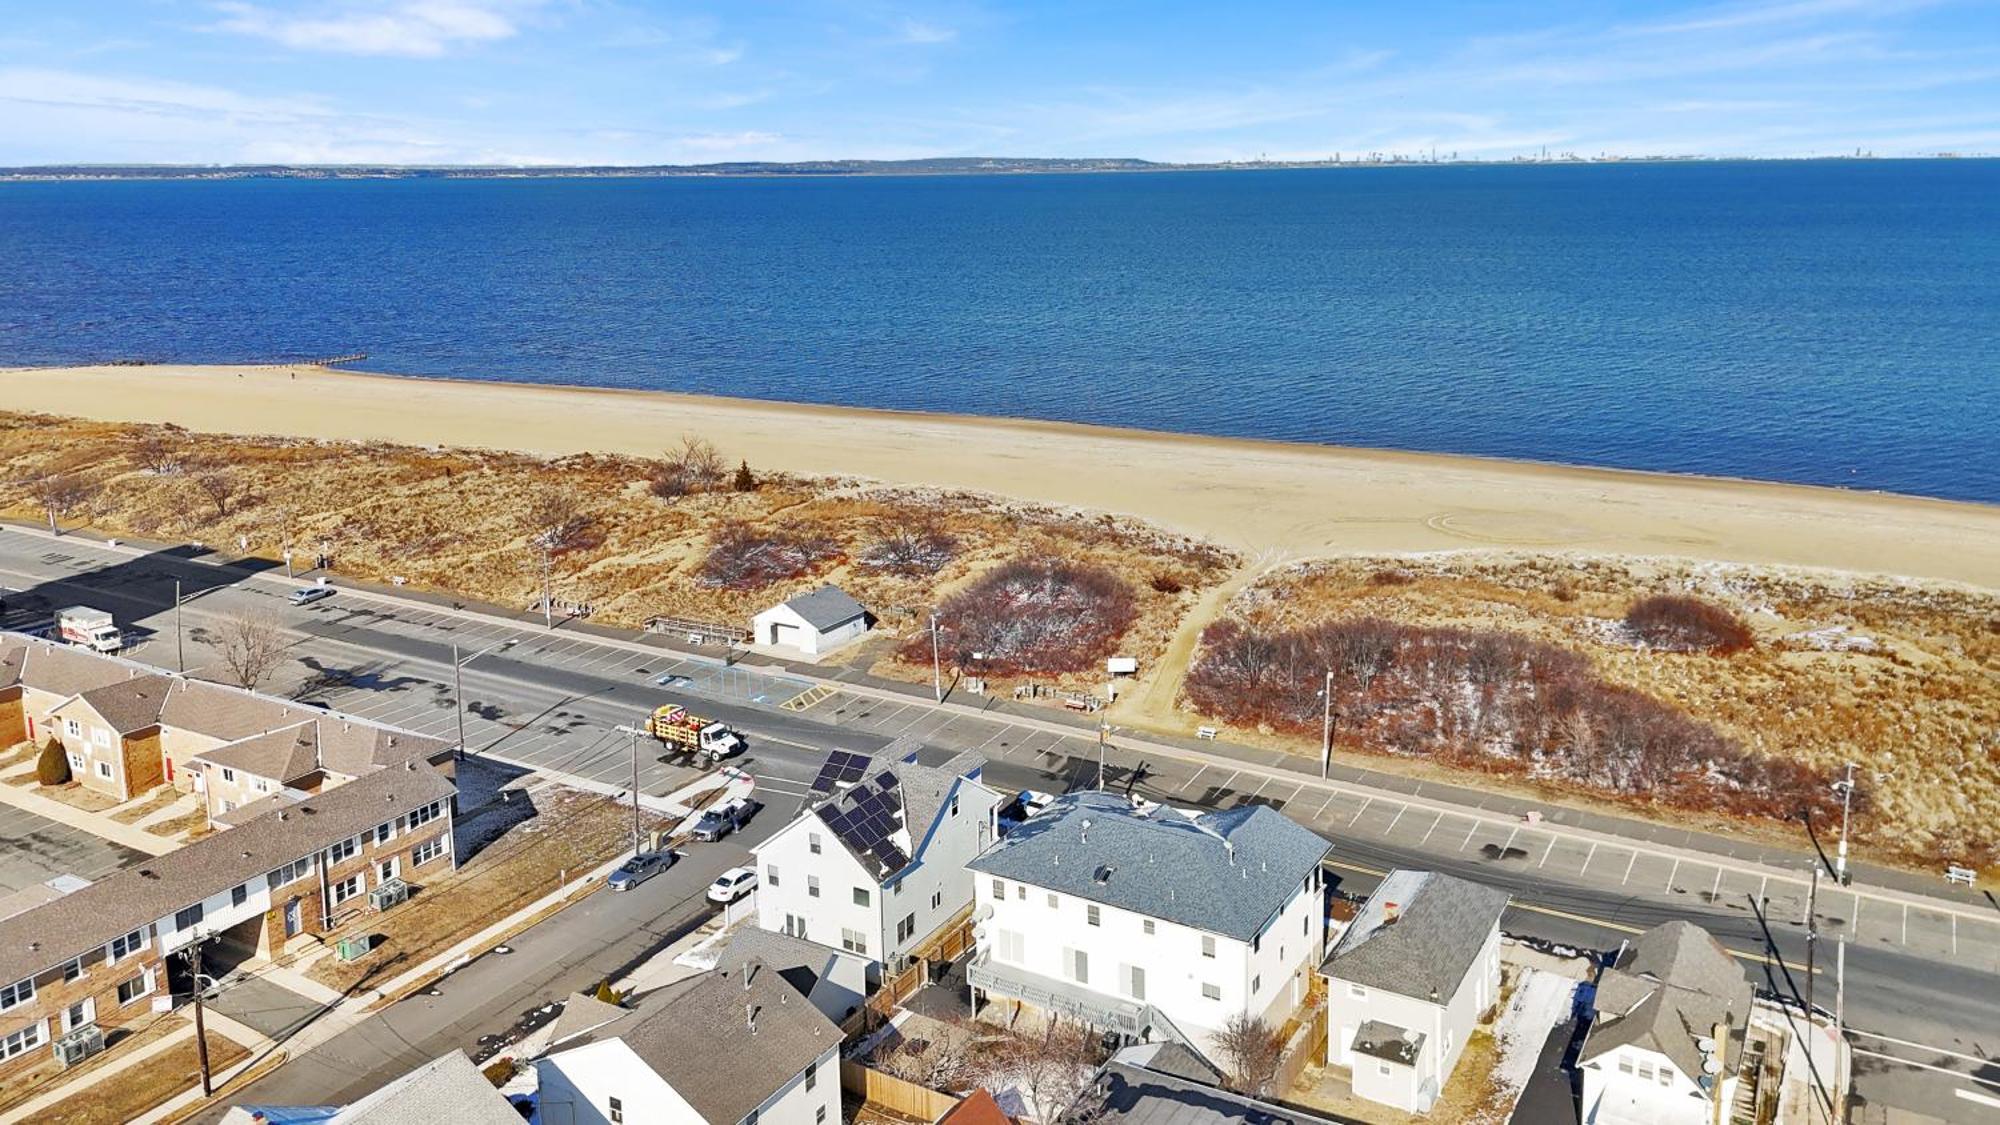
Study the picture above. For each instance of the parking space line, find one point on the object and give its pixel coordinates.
(1395, 820)
(1431, 829)
(1628, 867)
(1586, 859)
(1671, 874)
(1357, 812)
(1716, 888)
(1467, 842)
(1324, 804)
(1195, 778)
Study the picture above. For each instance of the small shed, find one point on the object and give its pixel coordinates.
(813, 623)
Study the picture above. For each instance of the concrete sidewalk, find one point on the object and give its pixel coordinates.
(97, 824)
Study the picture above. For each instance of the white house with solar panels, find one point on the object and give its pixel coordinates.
(876, 864)
(1148, 921)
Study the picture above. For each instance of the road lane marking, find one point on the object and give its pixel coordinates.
(1977, 1098)
(1974, 1059)
(1324, 804)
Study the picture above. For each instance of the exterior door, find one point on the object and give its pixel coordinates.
(293, 918)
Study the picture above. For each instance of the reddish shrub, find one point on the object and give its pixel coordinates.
(1675, 623)
(1494, 701)
(1391, 578)
(1032, 615)
(1166, 584)
(910, 551)
(743, 558)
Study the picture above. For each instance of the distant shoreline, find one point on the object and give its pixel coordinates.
(847, 169)
(1276, 501)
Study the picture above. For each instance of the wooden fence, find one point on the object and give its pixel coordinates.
(892, 1094)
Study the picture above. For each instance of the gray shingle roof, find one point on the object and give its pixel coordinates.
(284, 755)
(1441, 925)
(335, 743)
(697, 1035)
(1671, 986)
(121, 902)
(920, 793)
(826, 608)
(446, 1089)
(129, 705)
(58, 668)
(1140, 1096)
(1224, 872)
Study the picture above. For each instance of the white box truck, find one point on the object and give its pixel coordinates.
(89, 628)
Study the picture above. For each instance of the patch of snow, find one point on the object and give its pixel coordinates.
(1541, 1000)
(1833, 638)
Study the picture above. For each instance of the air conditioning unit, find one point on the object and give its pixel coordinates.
(79, 1044)
(388, 894)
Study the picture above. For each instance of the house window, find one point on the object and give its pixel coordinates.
(1256, 943)
(812, 1078)
(1147, 926)
(1207, 945)
(1382, 1069)
(104, 770)
(819, 1116)
(73, 970)
(1211, 992)
(384, 831)
(226, 806)
(26, 1039)
(1666, 1078)
(861, 896)
(385, 871)
(78, 1014)
(239, 894)
(1000, 889)
(1135, 982)
(1646, 1071)
(906, 928)
(76, 763)
(260, 785)
(17, 994)
(937, 899)
(343, 850)
(1358, 992)
(617, 1110)
(1091, 915)
(425, 852)
(129, 944)
(954, 804)
(228, 774)
(101, 736)
(812, 886)
(138, 986)
(425, 815)
(1256, 984)
(812, 842)
(347, 888)
(770, 874)
(297, 869)
(189, 918)
(1020, 892)
(74, 728)
(1079, 966)
(1625, 1064)
(854, 941)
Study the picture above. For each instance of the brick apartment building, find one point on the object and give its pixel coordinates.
(291, 864)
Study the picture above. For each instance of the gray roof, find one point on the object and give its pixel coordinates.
(335, 743)
(1141, 1096)
(803, 964)
(446, 1089)
(582, 1013)
(59, 668)
(1224, 872)
(1382, 1040)
(130, 705)
(826, 608)
(1440, 925)
(1670, 987)
(917, 796)
(700, 1037)
(77, 923)
(284, 755)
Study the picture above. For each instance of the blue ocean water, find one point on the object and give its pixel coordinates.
(1832, 323)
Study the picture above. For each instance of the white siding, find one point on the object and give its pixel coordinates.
(1613, 1095)
(577, 1087)
(1445, 1026)
(833, 912)
(940, 870)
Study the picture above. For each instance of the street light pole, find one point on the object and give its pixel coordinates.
(1326, 726)
(1103, 730)
(1846, 787)
(937, 667)
(180, 650)
(458, 685)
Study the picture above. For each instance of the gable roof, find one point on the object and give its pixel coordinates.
(1669, 988)
(284, 755)
(1224, 872)
(884, 819)
(446, 1089)
(280, 832)
(48, 666)
(582, 1013)
(803, 964)
(335, 743)
(828, 607)
(977, 1108)
(130, 705)
(1140, 1095)
(725, 1040)
(1424, 951)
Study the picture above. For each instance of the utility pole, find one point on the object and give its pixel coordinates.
(937, 667)
(1326, 727)
(1839, 1016)
(1812, 939)
(458, 685)
(635, 791)
(200, 1032)
(1103, 731)
(548, 594)
(180, 650)
(1846, 787)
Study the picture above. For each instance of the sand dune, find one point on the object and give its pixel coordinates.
(1273, 500)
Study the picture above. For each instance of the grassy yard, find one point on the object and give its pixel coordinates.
(187, 822)
(166, 795)
(47, 1072)
(137, 1089)
(76, 796)
(570, 833)
(18, 754)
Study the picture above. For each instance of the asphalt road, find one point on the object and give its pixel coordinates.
(1928, 995)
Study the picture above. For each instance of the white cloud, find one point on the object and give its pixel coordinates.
(410, 28)
(917, 31)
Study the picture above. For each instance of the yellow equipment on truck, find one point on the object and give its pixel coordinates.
(680, 729)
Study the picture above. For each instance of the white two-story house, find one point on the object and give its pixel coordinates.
(878, 864)
(1407, 982)
(1148, 921)
(733, 1046)
(1674, 1005)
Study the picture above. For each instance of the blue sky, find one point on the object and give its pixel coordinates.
(652, 81)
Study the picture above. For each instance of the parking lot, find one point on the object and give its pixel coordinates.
(38, 849)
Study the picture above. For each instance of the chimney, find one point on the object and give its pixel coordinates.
(1390, 912)
(750, 1017)
(1083, 832)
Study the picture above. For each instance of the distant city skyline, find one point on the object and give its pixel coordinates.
(437, 82)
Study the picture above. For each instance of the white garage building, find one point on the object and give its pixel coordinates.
(811, 624)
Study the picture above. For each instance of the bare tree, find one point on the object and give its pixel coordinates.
(252, 646)
(158, 451)
(220, 488)
(59, 494)
(943, 1062)
(1056, 1066)
(698, 459)
(556, 523)
(1249, 1049)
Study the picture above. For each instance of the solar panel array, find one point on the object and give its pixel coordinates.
(841, 770)
(867, 816)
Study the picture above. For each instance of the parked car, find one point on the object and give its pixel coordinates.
(725, 818)
(732, 885)
(674, 680)
(309, 594)
(638, 869)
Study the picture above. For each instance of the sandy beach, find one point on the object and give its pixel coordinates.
(1275, 501)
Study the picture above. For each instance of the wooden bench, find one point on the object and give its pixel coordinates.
(1964, 875)
(1206, 734)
